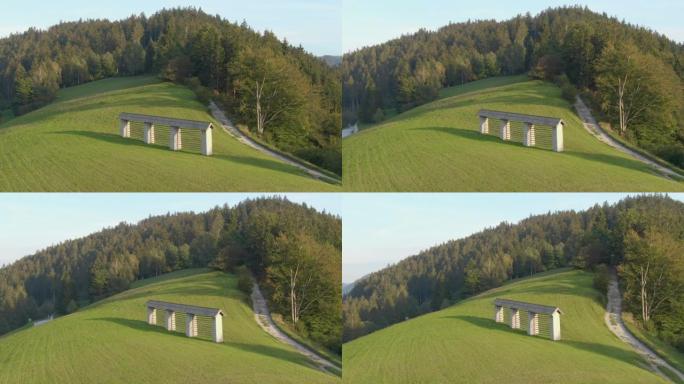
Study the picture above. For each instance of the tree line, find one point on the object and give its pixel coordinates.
(293, 250)
(642, 237)
(280, 92)
(630, 74)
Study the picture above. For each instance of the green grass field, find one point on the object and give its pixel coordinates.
(438, 147)
(73, 144)
(111, 342)
(463, 344)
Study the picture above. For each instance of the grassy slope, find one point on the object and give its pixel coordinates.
(463, 344)
(666, 351)
(74, 145)
(438, 147)
(111, 342)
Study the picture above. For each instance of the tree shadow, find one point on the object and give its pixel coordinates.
(620, 354)
(277, 353)
(617, 161)
(272, 165)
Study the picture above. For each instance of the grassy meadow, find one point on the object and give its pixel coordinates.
(74, 144)
(463, 344)
(110, 341)
(438, 147)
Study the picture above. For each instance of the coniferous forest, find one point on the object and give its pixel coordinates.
(268, 236)
(299, 94)
(630, 74)
(642, 237)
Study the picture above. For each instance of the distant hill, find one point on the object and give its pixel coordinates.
(347, 287)
(626, 235)
(111, 341)
(333, 61)
(463, 344)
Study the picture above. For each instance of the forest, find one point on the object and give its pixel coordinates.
(629, 74)
(642, 237)
(279, 92)
(293, 251)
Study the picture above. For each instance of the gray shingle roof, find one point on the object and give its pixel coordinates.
(166, 121)
(538, 120)
(536, 308)
(184, 308)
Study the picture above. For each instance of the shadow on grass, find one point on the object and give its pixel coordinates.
(269, 164)
(620, 354)
(616, 161)
(613, 160)
(140, 326)
(277, 353)
(111, 138)
(262, 350)
(477, 136)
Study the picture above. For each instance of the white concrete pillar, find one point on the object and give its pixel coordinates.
(175, 143)
(151, 316)
(555, 326)
(484, 125)
(207, 142)
(148, 134)
(191, 325)
(533, 323)
(515, 318)
(557, 138)
(218, 329)
(125, 128)
(529, 135)
(498, 314)
(505, 132)
(170, 320)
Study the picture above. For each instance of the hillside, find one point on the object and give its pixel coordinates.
(263, 236)
(570, 45)
(463, 344)
(217, 58)
(73, 144)
(438, 147)
(112, 340)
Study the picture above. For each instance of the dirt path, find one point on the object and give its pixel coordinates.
(229, 128)
(613, 319)
(43, 321)
(593, 127)
(263, 318)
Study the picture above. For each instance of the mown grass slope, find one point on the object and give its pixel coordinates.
(73, 144)
(438, 147)
(110, 342)
(463, 344)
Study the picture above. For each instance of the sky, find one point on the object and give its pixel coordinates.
(380, 229)
(372, 22)
(33, 221)
(315, 24)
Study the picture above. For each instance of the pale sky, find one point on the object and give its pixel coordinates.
(315, 24)
(33, 221)
(372, 22)
(384, 228)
